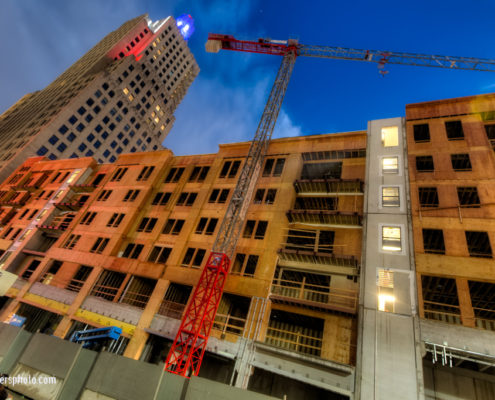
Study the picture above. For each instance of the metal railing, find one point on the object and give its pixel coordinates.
(442, 312)
(135, 299)
(315, 293)
(171, 309)
(226, 323)
(294, 341)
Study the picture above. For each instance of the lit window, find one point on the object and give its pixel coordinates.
(157, 108)
(390, 136)
(391, 238)
(390, 196)
(386, 298)
(390, 165)
(131, 97)
(24, 235)
(126, 91)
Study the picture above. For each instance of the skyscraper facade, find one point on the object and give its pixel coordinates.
(118, 98)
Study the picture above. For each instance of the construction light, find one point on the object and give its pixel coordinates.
(185, 23)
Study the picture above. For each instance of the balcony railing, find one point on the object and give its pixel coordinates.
(229, 324)
(74, 285)
(314, 296)
(325, 218)
(171, 309)
(442, 312)
(69, 206)
(345, 264)
(329, 186)
(294, 341)
(135, 299)
(58, 224)
(83, 188)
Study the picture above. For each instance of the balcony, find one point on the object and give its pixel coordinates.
(314, 296)
(83, 188)
(328, 187)
(226, 323)
(58, 224)
(69, 206)
(295, 332)
(327, 218)
(16, 201)
(443, 312)
(332, 263)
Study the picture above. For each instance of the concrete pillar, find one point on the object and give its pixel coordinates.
(140, 336)
(467, 312)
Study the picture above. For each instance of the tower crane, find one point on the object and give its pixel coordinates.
(189, 346)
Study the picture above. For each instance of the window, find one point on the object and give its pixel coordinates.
(390, 196)
(173, 226)
(79, 278)
(245, 265)
(174, 175)
(71, 137)
(161, 198)
(391, 240)
(424, 164)
(131, 195)
(273, 166)
(258, 227)
(421, 133)
(81, 110)
(186, 199)
(115, 220)
(118, 174)
(53, 139)
(461, 162)
(73, 119)
(63, 129)
(428, 197)
(99, 245)
(490, 134)
(147, 224)
(433, 241)
(193, 257)
(145, 173)
(266, 196)
(454, 130)
(229, 169)
(199, 174)
(104, 195)
(132, 250)
(219, 196)
(88, 218)
(159, 254)
(390, 136)
(42, 151)
(478, 244)
(206, 226)
(468, 197)
(385, 283)
(71, 242)
(390, 165)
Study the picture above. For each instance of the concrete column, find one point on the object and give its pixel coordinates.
(138, 340)
(467, 312)
(64, 325)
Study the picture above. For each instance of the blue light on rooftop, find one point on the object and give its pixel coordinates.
(185, 23)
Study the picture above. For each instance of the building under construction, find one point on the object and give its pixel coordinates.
(362, 271)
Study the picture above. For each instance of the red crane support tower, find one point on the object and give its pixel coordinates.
(189, 346)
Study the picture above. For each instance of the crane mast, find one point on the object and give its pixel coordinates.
(189, 346)
(187, 351)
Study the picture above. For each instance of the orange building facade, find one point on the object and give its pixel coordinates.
(123, 244)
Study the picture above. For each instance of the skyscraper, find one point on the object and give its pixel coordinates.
(118, 98)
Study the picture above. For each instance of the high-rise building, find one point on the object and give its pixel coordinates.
(118, 98)
(364, 269)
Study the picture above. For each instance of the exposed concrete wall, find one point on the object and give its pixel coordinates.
(388, 343)
(444, 383)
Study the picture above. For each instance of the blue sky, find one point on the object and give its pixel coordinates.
(224, 104)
